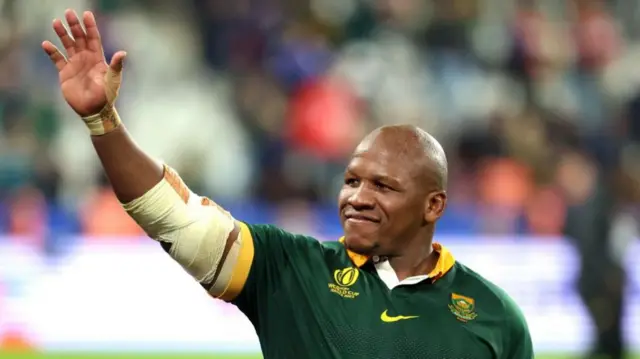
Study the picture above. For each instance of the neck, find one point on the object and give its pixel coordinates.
(419, 259)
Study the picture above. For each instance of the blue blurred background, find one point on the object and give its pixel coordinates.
(258, 104)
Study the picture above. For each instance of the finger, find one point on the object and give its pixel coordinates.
(76, 29)
(93, 35)
(117, 61)
(66, 39)
(55, 55)
(114, 76)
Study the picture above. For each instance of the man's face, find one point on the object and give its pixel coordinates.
(382, 203)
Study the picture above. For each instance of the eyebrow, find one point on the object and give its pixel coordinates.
(388, 179)
(381, 178)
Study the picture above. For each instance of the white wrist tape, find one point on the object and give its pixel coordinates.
(107, 119)
(196, 228)
(103, 122)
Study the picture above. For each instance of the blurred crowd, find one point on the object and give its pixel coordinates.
(258, 104)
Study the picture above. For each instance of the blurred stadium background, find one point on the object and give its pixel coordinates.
(257, 103)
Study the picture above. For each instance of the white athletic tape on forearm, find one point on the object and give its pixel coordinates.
(197, 233)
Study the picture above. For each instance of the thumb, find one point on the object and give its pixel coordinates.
(117, 61)
(113, 77)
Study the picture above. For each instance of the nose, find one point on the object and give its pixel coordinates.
(361, 198)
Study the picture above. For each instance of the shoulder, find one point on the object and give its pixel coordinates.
(269, 232)
(493, 304)
(497, 307)
(490, 296)
(272, 238)
(334, 247)
(265, 231)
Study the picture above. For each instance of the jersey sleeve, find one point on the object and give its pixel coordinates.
(266, 252)
(519, 345)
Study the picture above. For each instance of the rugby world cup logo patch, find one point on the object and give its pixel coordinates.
(345, 278)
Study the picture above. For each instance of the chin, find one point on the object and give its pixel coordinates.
(360, 244)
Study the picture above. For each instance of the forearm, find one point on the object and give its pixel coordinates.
(195, 231)
(130, 170)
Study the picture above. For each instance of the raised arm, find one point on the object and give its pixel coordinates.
(90, 86)
(197, 233)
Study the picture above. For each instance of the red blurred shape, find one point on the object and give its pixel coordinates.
(14, 341)
(505, 183)
(324, 119)
(28, 215)
(103, 215)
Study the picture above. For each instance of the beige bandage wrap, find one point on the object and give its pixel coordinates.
(195, 226)
(107, 119)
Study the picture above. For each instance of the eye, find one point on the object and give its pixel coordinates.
(351, 182)
(382, 186)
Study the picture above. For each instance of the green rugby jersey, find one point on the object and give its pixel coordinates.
(311, 299)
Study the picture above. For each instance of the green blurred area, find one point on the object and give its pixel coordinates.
(186, 356)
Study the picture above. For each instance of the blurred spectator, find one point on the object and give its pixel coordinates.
(589, 225)
(102, 215)
(504, 187)
(597, 37)
(28, 216)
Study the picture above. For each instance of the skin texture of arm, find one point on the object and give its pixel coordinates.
(130, 170)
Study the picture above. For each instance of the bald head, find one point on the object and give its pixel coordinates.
(414, 145)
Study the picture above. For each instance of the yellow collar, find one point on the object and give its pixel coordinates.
(444, 264)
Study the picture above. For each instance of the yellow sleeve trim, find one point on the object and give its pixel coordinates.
(243, 265)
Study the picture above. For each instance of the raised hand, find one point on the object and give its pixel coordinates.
(88, 84)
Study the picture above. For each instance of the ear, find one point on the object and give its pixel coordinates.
(435, 206)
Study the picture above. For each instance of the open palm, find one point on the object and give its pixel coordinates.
(88, 84)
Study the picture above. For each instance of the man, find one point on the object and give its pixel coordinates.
(383, 291)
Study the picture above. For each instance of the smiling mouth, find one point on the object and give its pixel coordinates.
(358, 218)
